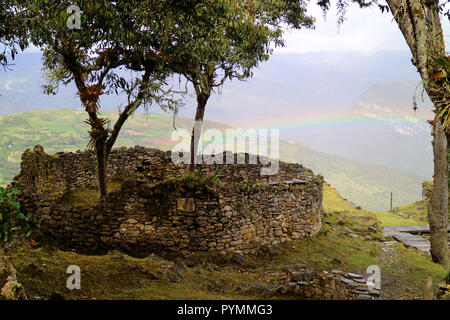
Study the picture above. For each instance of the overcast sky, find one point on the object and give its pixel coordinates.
(365, 30)
(368, 48)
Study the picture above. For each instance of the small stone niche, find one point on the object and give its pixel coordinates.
(186, 204)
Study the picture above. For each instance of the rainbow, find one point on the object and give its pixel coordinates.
(311, 122)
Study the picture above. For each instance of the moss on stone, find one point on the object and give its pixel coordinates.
(85, 197)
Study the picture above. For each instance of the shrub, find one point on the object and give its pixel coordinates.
(9, 210)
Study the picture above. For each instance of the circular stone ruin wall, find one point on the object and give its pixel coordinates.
(160, 208)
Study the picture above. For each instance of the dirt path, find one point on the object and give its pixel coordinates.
(392, 287)
(405, 264)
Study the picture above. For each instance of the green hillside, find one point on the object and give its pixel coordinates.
(364, 184)
(64, 130)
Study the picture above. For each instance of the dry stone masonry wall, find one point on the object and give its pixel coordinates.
(161, 208)
(426, 190)
(324, 285)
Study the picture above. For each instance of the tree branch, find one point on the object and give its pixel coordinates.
(405, 23)
(128, 111)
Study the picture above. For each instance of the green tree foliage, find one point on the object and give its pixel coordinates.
(207, 41)
(109, 42)
(10, 211)
(223, 40)
(12, 32)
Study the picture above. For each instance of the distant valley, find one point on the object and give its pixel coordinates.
(64, 130)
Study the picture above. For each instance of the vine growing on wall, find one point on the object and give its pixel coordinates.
(9, 210)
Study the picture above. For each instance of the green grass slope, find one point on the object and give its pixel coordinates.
(64, 130)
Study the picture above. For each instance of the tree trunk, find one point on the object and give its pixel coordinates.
(102, 164)
(202, 100)
(438, 208)
(419, 22)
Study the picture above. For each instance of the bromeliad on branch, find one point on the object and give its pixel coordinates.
(90, 95)
(98, 130)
